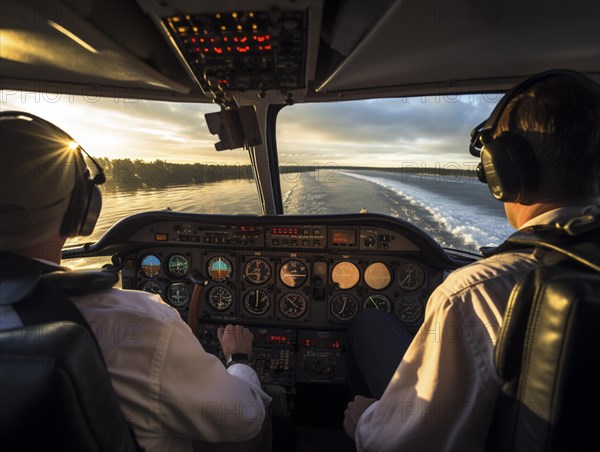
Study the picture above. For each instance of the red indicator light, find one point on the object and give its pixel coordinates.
(212, 39)
(197, 49)
(229, 49)
(244, 39)
(219, 50)
(260, 38)
(267, 37)
(223, 82)
(194, 39)
(268, 47)
(201, 39)
(235, 39)
(205, 50)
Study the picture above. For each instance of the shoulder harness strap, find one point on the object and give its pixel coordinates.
(577, 239)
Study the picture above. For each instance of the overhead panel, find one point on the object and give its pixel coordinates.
(242, 46)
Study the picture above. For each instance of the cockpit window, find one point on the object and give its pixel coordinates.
(156, 155)
(402, 157)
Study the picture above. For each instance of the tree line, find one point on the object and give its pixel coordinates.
(130, 175)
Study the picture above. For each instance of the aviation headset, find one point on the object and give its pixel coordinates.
(508, 164)
(86, 199)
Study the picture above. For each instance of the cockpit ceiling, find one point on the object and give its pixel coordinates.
(450, 44)
(335, 48)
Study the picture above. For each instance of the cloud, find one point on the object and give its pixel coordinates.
(118, 128)
(383, 130)
(378, 132)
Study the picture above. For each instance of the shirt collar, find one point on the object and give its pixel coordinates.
(559, 215)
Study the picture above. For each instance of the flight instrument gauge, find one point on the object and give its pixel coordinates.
(257, 271)
(220, 298)
(411, 276)
(408, 309)
(345, 274)
(219, 269)
(150, 266)
(178, 295)
(257, 302)
(178, 265)
(151, 286)
(378, 276)
(344, 306)
(293, 305)
(293, 273)
(380, 302)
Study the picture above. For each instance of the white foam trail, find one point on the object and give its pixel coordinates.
(461, 220)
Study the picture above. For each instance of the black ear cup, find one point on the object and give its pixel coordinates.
(85, 205)
(92, 211)
(508, 165)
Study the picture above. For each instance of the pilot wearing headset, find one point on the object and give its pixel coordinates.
(170, 389)
(540, 155)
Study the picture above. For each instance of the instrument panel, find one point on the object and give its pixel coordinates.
(318, 288)
(296, 284)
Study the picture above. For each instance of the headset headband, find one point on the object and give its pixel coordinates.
(485, 131)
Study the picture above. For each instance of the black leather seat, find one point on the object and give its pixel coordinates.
(548, 353)
(56, 394)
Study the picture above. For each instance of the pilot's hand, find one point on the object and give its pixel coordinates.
(235, 339)
(353, 413)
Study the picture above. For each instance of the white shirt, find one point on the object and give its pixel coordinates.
(170, 389)
(442, 394)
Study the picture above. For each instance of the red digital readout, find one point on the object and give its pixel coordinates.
(285, 231)
(279, 340)
(321, 343)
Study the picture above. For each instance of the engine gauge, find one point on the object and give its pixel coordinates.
(257, 271)
(219, 269)
(380, 302)
(178, 265)
(151, 286)
(408, 309)
(344, 306)
(411, 276)
(220, 298)
(150, 266)
(178, 295)
(378, 276)
(345, 274)
(293, 273)
(293, 305)
(257, 302)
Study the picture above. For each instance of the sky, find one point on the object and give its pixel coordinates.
(384, 132)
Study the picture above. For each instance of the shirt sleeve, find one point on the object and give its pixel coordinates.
(200, 399)
(436, 399)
